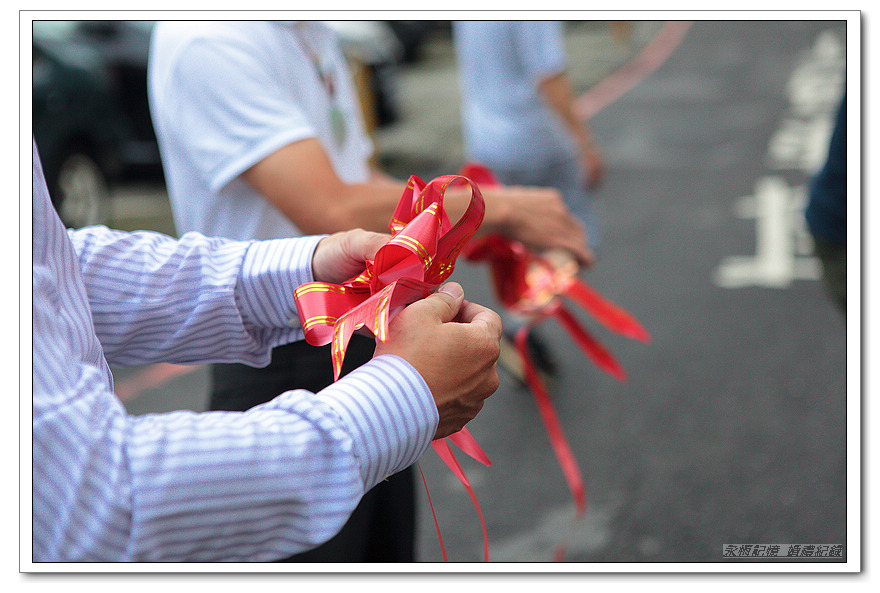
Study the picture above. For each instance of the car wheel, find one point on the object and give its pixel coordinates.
(83, 194)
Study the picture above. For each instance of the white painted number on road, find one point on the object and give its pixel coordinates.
(783, 247)
(782, 244)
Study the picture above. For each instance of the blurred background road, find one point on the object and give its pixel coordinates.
(732, 425)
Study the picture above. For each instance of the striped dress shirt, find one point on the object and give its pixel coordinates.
(217, 486)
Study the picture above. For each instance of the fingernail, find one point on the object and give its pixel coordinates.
(453, 289)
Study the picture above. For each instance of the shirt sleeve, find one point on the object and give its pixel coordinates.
(278, 479)
(236, 112)
(194, 300)
(218, 486)
(540, 48)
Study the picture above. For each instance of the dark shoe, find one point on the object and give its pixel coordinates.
(539, 353)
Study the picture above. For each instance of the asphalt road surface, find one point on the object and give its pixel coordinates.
(732, 425)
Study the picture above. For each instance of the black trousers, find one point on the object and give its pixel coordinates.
(382, 527)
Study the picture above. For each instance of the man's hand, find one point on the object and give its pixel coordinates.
(593, 163)
(343, 255)
(534, 216)
(539, 218)
(454, 344)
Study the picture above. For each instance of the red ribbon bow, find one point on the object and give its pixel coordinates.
(530, 285)
(419, 257)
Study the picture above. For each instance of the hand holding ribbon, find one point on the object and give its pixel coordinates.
(420, 256)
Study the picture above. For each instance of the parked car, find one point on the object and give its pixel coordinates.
(91, 118)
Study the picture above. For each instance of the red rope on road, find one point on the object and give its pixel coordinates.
(651, 57)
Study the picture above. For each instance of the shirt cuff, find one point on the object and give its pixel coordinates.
(271, 271)
(389, 412)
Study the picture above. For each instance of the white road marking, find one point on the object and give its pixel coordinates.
(780, 238)
(783, 246)
(539, 543)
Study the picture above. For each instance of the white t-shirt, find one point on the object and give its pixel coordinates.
(224, 95)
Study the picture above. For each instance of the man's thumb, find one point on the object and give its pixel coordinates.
(446, 301)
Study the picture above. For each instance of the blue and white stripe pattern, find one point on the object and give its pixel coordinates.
(217, 486)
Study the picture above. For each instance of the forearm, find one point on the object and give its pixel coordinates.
(500, 212)
(327, 450)
(154, 298)
(300, 181)
(557, 92)
(558, 95)
(367, 206)
(370, 206)
(535, 216)
(218, 486)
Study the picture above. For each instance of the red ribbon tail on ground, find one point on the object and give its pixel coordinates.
(561, 448)
(434, 514)
(445, 452)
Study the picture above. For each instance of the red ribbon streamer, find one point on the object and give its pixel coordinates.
(467, 444)
(530, 285)
(419, 257)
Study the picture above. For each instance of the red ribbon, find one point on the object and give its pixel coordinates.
(532, 286)
(419, 257)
